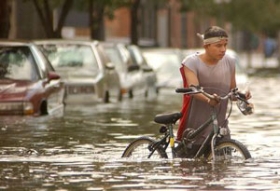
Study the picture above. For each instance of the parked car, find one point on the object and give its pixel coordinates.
(166, 63)
(241, 75)
(133, 81)
(149, 73)
(28, 83)
(87, 71)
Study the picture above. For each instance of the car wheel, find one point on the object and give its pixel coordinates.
(157, 90)
(120, 95)
(130, 94)
(44, 108)
(107, 97)
(146, 93)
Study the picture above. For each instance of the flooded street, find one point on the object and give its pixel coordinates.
(82, 150)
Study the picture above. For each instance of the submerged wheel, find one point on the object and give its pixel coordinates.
(141, 148)
(120, 96)
(130, 93)
(106, 98)
(230, 150)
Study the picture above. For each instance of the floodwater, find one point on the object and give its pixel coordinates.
(82, 150)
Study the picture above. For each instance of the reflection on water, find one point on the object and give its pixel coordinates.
(82, 150)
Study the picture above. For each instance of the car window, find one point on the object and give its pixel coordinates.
(17, 63)
(76, 58)
(137, 55)
(101, 51)
(125, 56)
(116, 59)
(44, 60)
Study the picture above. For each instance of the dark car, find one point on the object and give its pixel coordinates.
(89, 76)
(28, 83)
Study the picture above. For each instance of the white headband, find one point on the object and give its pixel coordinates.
(211, 40)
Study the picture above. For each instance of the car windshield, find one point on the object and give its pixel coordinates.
(164, 62)
(74, 60)
(17, 63)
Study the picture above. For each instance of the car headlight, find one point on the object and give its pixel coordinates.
(28, 108)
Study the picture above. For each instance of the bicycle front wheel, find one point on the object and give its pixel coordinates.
(143, 148)
(230, 150)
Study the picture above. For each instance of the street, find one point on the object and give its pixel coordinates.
(82, 150)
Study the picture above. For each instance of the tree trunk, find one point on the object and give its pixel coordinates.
(134, 35)
(64, 12)
(46, 17)
(96, 19)
(5, 11)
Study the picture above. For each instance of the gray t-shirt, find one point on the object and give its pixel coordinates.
(214, 79)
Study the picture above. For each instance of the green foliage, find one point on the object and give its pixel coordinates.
(110, 5)
(53, 3)
(250, 15)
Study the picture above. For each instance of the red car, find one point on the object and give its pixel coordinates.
(28, 83)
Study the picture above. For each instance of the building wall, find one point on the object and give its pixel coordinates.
(120, 25)
(164, 27)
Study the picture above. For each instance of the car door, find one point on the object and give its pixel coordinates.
(134, 72)
(54, 89)
(112, 78)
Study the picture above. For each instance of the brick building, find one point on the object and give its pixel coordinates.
(164, 27)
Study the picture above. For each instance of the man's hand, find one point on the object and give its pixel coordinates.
(215, 100)
(248, 95)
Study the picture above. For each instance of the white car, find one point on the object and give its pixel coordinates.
(132, 75)
(241, 75)
(167, 61)
(88, 74)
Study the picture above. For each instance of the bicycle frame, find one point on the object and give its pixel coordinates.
(169, 136)
(213, 144)
(210, 139)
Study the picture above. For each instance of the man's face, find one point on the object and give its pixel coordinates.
(217, 50)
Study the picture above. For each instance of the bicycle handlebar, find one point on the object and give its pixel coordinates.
(197, 89)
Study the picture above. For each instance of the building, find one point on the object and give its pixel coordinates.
(159, 26)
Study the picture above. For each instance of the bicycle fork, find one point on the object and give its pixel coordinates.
(216, 130)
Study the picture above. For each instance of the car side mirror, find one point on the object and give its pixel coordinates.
(133, 67)
(109, 66)
(147, 69)
(53, 76)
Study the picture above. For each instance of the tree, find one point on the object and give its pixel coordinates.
(96, 19)
(135, 15)
(98, 9)
(134, 22)
(45, 9)
(5, 12)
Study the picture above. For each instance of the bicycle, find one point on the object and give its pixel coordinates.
(227, 149)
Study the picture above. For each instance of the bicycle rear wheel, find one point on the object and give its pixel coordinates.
(143, 148)
(230, 150)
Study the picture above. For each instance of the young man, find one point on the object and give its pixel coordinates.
(213, 70)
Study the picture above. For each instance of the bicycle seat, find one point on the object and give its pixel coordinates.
(167, 118)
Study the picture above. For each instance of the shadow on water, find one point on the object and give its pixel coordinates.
(81, 151)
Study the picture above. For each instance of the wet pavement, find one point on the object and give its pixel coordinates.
(82, 150)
